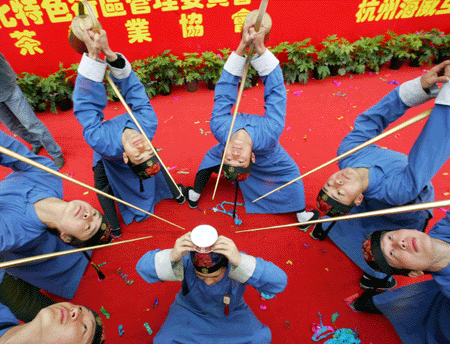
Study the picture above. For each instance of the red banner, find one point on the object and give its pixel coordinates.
(34, 33)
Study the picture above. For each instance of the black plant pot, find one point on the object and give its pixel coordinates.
(64, 104)
(396, 63)
(315, 74)
(441, 59)
(192, 86)
(211, 85)
(41, 107)
(414, 63)
(334, 70)
(164, 92)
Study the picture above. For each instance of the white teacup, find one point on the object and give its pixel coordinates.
(204, 237)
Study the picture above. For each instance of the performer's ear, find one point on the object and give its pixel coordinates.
(66, 238)
(253, 157)
(359, 199)
(125, 158)
(415, 273)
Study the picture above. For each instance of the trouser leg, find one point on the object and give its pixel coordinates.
(108, 205)
(202, 177)
(19, 106)
(13, 124)
(172, 186)
(23, 299)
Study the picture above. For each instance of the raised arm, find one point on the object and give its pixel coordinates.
(376, 119)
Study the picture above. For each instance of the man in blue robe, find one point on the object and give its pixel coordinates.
(420, 312)
(210, 307)
(63, 323)
(31, 212)
(124, 163)
(254, 158)
(374, 178)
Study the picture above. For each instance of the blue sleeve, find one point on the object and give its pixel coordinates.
(146, 267)
(269, 127)
(19, 148)
(428, 154)
(134, 94)
(90, 100)
(373, 121)
(268, 278)
(224, 99)
(7, 319)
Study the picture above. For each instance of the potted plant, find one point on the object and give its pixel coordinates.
(418, 55)
(191, 70)
(335, 55)
(165, 69)
(438, 43)
(444, 49)
(28, 83)
(299, 61)
(252, 78)
(399, 49)
(212, 67)
(57, 90)
(141, 70)
(367, 53)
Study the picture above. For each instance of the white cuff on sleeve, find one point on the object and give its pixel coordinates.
(245, 269)
(265, 63)
(165, 270)
(235, 64)
(92, 70)
(121, 73)
(412, 93)
(443, 97)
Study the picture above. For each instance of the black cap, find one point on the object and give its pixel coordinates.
(236, 174)
(374, 256)
(331, 207)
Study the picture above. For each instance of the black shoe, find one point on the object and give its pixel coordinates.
(59, 161)
(36, 149)
(182, 198)
(365, 303)
(372, 283)
(316, 216)
(117, 233)
(318, 233)
(192, 204)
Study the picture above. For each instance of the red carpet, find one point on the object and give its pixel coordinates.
(320, 276)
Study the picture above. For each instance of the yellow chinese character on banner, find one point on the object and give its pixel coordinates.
(112, 8)
(189, 4)
(387, 9)
(74, 7)
(212, 3)
(166, 5)
(239, 19)
(11, 22)
(242, 2)
(57, 11)
(408, 8)
(445, 8)
(366, 11)
(191, 25)
(138, 30)
(27, 9)
(26, 43)
(139, 6)
(427, 8)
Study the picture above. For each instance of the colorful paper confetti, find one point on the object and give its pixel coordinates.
(147, 327)
(104, 312)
